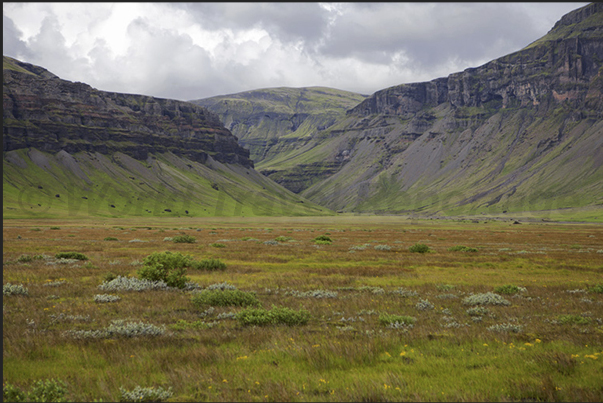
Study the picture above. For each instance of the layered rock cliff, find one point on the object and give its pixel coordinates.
(44, 112)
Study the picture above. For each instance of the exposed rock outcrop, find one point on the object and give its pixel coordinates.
(44, 112)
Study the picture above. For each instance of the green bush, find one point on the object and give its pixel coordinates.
(167, 267)
(282, 238)
(419, 248)
(41, 391)
(507, 289)
(71, 255)
(275, 316)
(388, 319)
(111, 238)
(598, 288)
(225, 298)
(461, 248)
(323, 240)
(184, 239)
(209, 265)
(11, 393)
(218, 245)
(573, 320)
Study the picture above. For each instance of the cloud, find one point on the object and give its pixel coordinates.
(195, 50)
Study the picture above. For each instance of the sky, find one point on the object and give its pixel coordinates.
(188, 51)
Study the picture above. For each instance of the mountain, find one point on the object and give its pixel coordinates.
(71, 150)
(279, 124)
(521, 133)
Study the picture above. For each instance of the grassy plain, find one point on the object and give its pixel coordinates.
(545, 345)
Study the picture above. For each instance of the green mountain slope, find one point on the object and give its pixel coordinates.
(72, 151)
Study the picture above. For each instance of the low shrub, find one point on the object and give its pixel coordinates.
(119, 328)
(598, 288)
(323, 240)
(508, 289)
(140, 394)
(184, 239)
(103, 298)
(424, 305)
(111, 238)
(488, 298)
(419, 248)
(209, 265)
(167, 267)
(386, 319)
(218, 245)
(14, 289)
(41, 391)
(122, 283)
(383, 247)
(403, 292)
(28, 258)
(225, 298)
(478, 311)
(282, 238)
(71, 255)
(275, 316)
(573, 320)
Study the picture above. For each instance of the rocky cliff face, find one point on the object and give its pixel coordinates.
(44, 112)
(561, 67)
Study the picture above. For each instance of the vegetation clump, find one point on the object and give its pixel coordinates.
(573, 320)
(488, 298)
(386, 319)
(50, 390)
(14, 289)
(111, 238)
(424, 305)
(119, 328)
(209, 265)
(184, 239)
(71, 255)
(419, 248)
(225, 298)
(167, 267)
(140, 394)
(275, 316)
(323, 240)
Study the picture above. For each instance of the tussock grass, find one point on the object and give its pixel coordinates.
(546, 344)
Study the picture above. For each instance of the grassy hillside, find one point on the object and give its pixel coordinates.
(43, 185)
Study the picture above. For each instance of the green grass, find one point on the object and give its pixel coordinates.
(257, 330)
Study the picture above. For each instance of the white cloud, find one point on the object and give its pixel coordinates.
(196, 50)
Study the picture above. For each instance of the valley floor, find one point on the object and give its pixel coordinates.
(486, 310)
